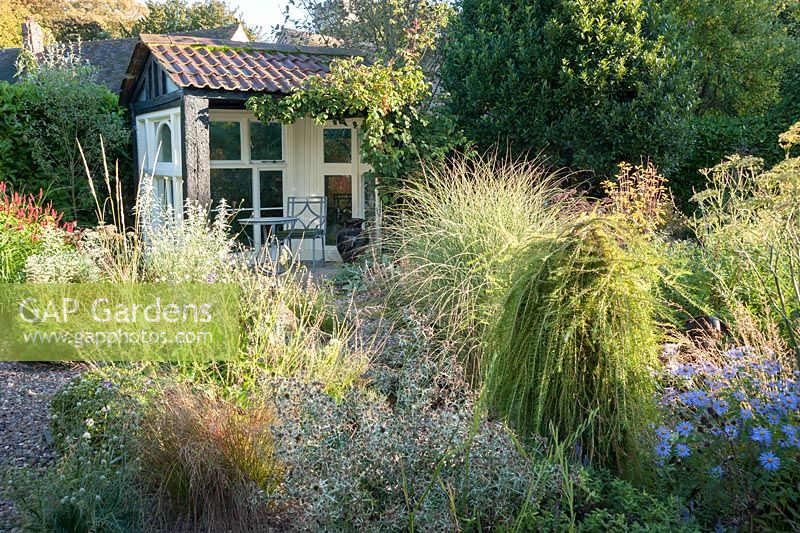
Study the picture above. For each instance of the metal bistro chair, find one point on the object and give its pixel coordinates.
(312, 212)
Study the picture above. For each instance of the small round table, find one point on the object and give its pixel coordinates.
(266, 227)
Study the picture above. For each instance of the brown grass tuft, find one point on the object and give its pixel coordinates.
(212, 463)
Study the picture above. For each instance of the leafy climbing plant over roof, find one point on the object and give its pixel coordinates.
(388, 96)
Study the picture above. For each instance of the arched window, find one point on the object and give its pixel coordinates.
(164, 144)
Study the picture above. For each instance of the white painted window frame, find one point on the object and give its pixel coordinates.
(245, 118)
(147, 134)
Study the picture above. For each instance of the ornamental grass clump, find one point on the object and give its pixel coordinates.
(456, 234)
(293, 328)
(577, 335)
(211, 462)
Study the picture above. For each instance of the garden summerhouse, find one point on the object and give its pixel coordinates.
(195, 137)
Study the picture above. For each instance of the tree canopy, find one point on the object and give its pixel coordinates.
(44, 115)
(740, 49)
(88, 20)
(11, 18)
(589, 82)
(70, 20)
(388, 27)
(173, 16)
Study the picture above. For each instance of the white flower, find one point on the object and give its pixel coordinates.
(86, 435)
(89, 422)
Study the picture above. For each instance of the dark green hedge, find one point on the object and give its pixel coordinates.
(41, 117)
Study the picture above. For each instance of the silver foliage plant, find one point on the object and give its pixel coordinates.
(358, 464)
(426, 459)
(58, 262)
(188, 248)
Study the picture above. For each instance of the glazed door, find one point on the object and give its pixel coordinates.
(341, 176)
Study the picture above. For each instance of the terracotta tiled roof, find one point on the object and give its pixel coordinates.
(232, 66)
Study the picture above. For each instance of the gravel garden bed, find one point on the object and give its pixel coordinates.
(24, 398)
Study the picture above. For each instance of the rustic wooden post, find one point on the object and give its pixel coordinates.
(378, 240)
(196, 152)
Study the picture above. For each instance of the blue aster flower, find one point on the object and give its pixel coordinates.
(683, 371)
(792, 401)
(769, 461)
(695, 398)
(682, 450)
(735, 353)
(761, 434)
(716, 471)
(684, 428)
(663, 449)
(720, 407)
(663, 433)
(731, 431)
(760, 407)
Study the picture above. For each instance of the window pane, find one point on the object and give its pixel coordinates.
(337, 145)
(265, 142)
(160, 192)
(164, 144)
(169, 200)
(339, 191)
(235, 185)
(225, 141)
(164, 201)
(271, 193)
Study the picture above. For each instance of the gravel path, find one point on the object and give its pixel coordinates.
(25, 392)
